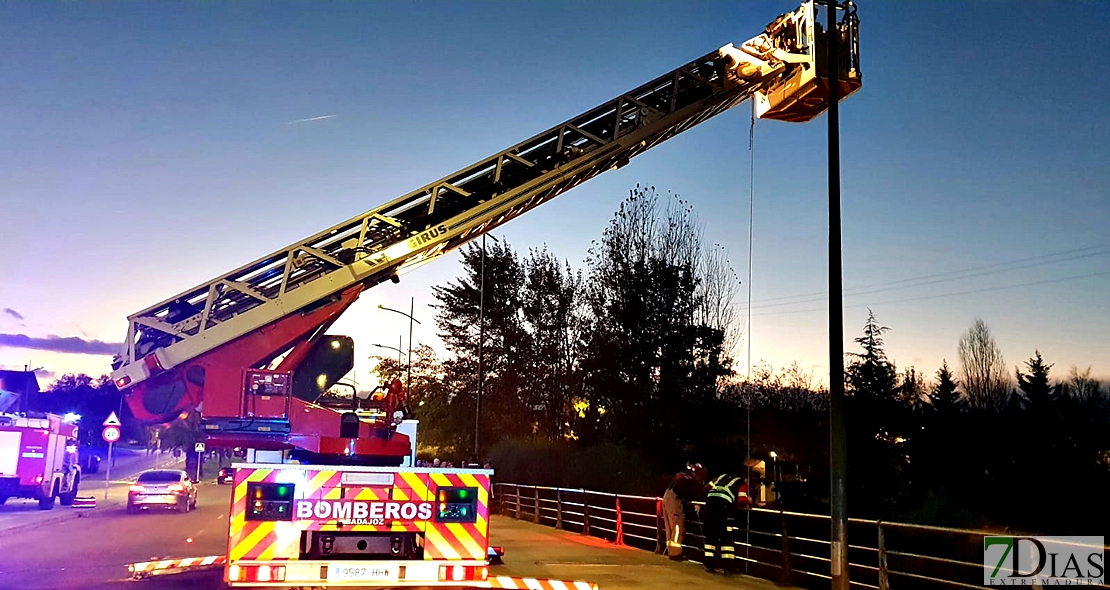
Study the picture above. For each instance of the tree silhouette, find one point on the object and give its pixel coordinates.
(945, 398)
(985, 377)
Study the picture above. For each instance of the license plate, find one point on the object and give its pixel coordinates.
(363, 573)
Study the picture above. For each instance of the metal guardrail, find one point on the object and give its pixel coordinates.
(790, 548)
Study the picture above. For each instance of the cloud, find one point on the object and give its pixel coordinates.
(71, 344)
(320, 118)
(13, 313)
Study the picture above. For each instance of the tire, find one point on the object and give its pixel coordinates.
(183, 507)
(48, 502)
(132, 509)
(67, 498)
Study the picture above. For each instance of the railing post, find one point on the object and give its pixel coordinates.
(585, 513)
(536, 514)
(884, 582)
(620, 522)
(660, 530)
(516, 506)
(786, 572)
(558, 508)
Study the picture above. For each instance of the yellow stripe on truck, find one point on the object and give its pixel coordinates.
(262, 531)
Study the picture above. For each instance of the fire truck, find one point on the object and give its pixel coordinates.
(322, 499)
(38, 459)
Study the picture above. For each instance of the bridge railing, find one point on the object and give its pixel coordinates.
(790, 548)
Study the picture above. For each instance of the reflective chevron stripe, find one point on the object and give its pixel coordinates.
(536, 584)
(146, 568)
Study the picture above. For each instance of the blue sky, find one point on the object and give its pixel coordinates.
(148, 147)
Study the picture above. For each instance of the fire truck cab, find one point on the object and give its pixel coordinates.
(38, 459)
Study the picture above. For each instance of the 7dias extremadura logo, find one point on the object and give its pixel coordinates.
(1045, 561)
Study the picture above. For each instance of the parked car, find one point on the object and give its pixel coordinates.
(226, 475)
(90, 463)
(166, 488)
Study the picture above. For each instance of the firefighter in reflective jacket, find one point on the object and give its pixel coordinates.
(726, 492)
(687, 486)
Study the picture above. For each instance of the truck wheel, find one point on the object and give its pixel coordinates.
(67, 498)
(47, 503)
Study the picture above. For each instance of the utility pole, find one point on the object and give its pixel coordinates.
(408, 375)
(838, 448)
(481, 341)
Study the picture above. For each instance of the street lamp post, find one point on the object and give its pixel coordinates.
(412, 303)
(397, 348)
(481, 343)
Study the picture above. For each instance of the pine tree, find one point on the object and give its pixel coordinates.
(946, 398)
(870, 375)
(1038, 395)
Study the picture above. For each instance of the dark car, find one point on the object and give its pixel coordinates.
(165, 488)
(226, 475)
(90, 463)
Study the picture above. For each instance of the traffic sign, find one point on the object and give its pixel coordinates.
(112, 420)
(110, 434)
(199, 447)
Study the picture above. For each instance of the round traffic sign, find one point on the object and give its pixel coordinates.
(110, 434)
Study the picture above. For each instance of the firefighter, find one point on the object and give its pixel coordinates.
(726, 493)
(687, 486)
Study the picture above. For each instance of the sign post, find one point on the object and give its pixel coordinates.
(199, 448)
(110, 434)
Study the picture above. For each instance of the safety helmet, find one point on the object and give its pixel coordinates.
(697, 471)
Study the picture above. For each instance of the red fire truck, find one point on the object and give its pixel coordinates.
(324, 499)
(38, 459)
(354, 525)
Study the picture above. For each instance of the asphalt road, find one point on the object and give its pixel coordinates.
(91, 550)
(20, 513)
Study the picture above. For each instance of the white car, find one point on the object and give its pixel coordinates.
(165, 488)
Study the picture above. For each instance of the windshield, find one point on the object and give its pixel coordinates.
(159, 477)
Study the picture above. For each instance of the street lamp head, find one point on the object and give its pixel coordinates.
(774, 455)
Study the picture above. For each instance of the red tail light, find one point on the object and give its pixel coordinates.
(462, 573)
(256, 573)
(123, 381)
(138, 488)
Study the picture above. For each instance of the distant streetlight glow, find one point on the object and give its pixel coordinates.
(71, 417)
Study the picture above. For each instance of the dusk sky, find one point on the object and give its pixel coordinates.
(149, 147)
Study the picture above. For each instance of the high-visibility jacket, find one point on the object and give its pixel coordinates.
(728, 488)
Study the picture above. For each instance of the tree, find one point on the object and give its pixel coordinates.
(1080, 384)
(870, 375)
(464, 315)
(552, 312)
(650, 357)
(911, 389)
(985, 377)
(878, 426)
(945, 398)
(1038, 395)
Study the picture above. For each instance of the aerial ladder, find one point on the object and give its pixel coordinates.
(249, 348)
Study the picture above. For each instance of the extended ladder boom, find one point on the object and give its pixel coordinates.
(781, 69)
